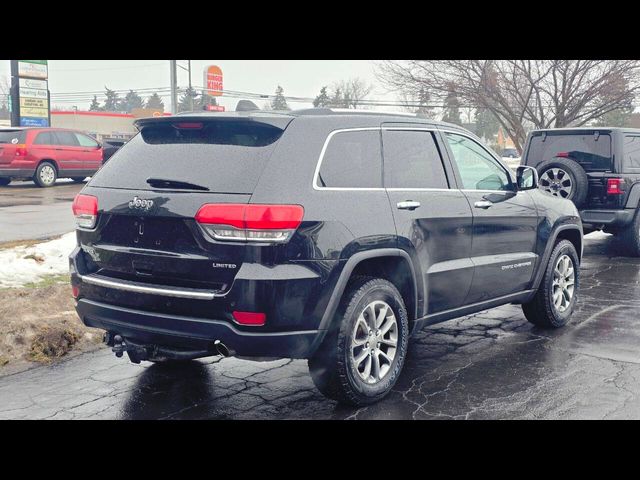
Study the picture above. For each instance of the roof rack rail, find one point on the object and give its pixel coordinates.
(350, 111)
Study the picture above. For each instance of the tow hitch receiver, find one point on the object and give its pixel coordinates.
(135, 352)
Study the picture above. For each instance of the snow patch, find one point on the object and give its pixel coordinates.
(597, 235)
(22, 265)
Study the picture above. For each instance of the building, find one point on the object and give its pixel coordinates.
(102, 125)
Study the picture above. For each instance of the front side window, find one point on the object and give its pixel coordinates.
(68, 139)
(478, 169)
(86, 141)
(412, 160)
(352, 159)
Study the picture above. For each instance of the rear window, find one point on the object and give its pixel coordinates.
(223, 156)
(352, 159)
(591, 151)
(12, 136)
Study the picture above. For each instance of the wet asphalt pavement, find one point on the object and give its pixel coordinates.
(28, 212)
(492, 365)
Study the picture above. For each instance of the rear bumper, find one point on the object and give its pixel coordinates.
(193, 333)
(609, 218)
(293, 297)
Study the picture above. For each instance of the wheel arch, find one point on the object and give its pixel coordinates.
(571, 232)
(389, 263)
(48, 160)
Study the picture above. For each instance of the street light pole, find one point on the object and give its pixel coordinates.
(190, 92)
(174, 87)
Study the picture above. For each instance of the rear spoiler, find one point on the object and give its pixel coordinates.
(274, 120)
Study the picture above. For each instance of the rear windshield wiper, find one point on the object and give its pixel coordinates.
(164, 183)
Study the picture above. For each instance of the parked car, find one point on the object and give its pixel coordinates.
(278, 235)
(598, 169)
(511, 157)
(111, 146)
(45, 154)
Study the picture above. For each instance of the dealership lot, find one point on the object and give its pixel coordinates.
(490, 365)
(30, 213)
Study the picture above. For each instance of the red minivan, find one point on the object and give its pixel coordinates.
(45, 154)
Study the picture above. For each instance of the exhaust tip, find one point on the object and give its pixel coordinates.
(223, 349)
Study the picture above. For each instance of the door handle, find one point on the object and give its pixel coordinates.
(484, 204)
(408, 205)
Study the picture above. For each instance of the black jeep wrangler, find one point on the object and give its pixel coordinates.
(596, 168)
(313, 234)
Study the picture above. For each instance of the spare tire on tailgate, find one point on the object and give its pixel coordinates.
(564, 178)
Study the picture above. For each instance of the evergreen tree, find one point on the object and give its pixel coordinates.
(322, 100)
(486, 123)
(187, 101)
(113, 101)
(155, 102)
(451, 109)
(615, 118)
(95, 105)
(203, 100)
(424, 99)
(279, 102)
(338, 100)
(131, 100)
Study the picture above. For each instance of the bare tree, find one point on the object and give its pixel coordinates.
(353, 91)
(523, 94)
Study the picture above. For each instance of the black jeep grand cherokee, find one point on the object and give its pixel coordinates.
(313, 234)
(596, 168)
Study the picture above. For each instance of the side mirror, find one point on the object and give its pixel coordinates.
(527, 178)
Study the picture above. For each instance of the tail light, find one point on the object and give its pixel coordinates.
(85, 209)
(75, 291)
(562, 154)
(250, 222)
(21, 150)
(614, 186)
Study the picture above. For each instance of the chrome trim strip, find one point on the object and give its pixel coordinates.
(141, 288)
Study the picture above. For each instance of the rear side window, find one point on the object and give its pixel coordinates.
(592, 152)
(352, 159)
(223, 156)
(632, 152)
(67, 139)
(45, 138)
(12, 136)
(412, 160)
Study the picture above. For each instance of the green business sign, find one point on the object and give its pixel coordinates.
(40, 62)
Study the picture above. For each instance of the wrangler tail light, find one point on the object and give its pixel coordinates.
(85, 209)
(250, 222)
(614, 186)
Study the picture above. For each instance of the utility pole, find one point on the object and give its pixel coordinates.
(190, 96)
(174, 87)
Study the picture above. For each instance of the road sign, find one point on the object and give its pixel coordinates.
(33, 69)
(213, 81)
(215, 108)
(30, 105)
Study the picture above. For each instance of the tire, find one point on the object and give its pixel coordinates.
(78, 179)
(630, 237)
(542, 311)
(46, 175)
(334, 368)
(4, 181)
(553, 179)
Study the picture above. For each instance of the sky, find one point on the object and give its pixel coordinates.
(299, 78)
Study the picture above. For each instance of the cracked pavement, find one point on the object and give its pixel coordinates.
(491, 365)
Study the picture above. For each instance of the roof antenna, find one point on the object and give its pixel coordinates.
(246, 106)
